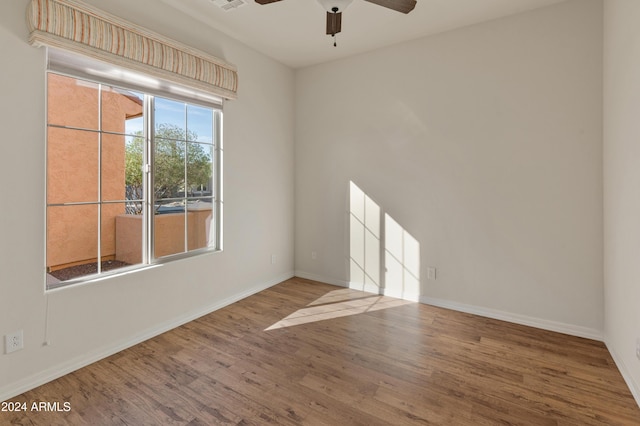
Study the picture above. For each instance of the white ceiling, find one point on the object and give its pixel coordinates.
(293, 31)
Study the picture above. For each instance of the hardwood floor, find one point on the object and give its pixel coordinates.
(309, 353)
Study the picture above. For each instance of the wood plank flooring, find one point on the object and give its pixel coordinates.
(313, 354)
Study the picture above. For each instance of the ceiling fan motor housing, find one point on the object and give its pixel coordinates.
(335, 6)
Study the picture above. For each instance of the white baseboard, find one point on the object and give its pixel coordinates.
(560, 327)
(319, 278)
(369, 288)
(633, 386)
(573, 330)
(401, 295)
(13, 389)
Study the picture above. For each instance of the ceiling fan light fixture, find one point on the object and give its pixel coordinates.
(334, 6)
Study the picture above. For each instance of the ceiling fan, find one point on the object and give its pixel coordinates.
(334, 10)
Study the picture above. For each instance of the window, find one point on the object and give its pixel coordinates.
(133, 178)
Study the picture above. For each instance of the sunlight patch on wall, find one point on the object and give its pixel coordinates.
(384, 258)
(402, 261)
(364, 241)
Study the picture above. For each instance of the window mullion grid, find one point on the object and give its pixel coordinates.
(186, 162)
(148, 246)
(99, 260)
(148, 198)
(217, 178)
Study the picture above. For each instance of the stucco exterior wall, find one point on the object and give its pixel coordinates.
(169, 234)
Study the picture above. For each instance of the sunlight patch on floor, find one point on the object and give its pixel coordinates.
(339, 303)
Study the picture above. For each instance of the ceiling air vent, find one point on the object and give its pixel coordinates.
(228, 5)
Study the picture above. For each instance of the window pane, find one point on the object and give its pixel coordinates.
(199, 169)
(169, 229)
(170, 119)
(72, 166)
(72, 241)
(200, 224)
(169, 169)
(199, 124)
(108, 217)
(121, 241)
(121, 110)
(72, 102)
(122, 159)
(129, 239)
(133, 162)
(134, 126)
(113, 166)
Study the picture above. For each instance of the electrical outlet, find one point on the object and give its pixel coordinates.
(431, 273)
(314, 255)
(13, 342)
(273, 259)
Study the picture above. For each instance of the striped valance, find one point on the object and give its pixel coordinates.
(80, 28)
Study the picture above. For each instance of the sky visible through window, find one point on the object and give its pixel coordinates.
(196, 120)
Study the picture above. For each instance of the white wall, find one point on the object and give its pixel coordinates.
(484, 144)
(622, 185)
(90, 321)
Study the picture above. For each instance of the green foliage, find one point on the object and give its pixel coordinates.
(133, 162)
(171, 156)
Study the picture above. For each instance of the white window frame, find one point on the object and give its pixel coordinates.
(102, 74)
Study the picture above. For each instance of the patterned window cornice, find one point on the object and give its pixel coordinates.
(77, 27)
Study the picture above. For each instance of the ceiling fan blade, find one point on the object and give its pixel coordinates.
(266, 1)
(404, 6)
(334, 22)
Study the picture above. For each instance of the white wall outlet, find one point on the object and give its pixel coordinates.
(314, 255)
(431, 273)
(638, 347)
(13, 342)
(273, 259)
